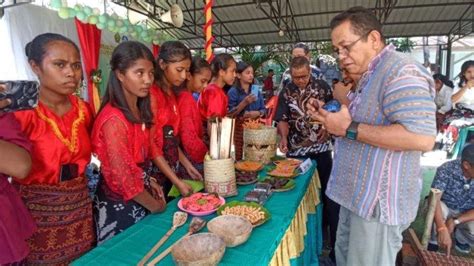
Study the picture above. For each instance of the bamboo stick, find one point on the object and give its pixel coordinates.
(434, 198)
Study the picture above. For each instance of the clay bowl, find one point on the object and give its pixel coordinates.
(234, 229)
(203, 249)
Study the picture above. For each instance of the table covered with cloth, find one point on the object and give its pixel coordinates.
(293, 235)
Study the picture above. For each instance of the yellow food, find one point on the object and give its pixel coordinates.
(251, 213)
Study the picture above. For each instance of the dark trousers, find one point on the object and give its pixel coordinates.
(330, 208)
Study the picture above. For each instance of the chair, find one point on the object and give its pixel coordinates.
(426, 257)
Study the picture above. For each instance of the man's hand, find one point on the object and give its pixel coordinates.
(340, 92)
(323, 135)
(450, 225)
(445, 241)
(283, 145)
(334, 123)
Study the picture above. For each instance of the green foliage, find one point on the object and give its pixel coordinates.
(404, 45)
(257, 57)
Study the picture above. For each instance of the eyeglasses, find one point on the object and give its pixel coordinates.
(300, 77)
(346, 49)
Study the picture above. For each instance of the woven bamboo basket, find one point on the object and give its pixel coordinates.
(264, 136)
(219, 177)
(260, 153)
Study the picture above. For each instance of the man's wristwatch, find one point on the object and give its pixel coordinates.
(456, 221)
(351, 132)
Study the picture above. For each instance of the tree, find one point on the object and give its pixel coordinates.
(257, 56)
(404, 45)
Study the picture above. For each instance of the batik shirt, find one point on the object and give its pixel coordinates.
(458, 191)
(303, 136)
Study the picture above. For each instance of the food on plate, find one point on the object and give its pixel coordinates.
(245, 177)
(198, 202)
(277, 183)
(248, 166)
(283, 172)
(288, 163)
(252, 213)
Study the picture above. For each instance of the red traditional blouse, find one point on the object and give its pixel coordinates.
(120, 146)
(56, 140)
(213, 102)
(165, 113)
(191, 128)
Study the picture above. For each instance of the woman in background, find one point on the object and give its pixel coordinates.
(213, 101)
(121, 141)
(173, 63)
(244, 103)
(190, 127)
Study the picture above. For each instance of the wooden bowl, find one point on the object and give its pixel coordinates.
(203, 249)
(234, 229)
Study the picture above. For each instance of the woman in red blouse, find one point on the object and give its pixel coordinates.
(55, 192)
(121, 141)
(213, 100)
(190, 128)
(173, 62)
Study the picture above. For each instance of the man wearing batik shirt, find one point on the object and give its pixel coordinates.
(376, 176)
(299, 49)
(300, 137)
(455, 211)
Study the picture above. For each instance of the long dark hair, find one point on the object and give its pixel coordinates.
(221, 62)
(444, 79)
(123, 57)
(241, 67)
(464, 67)
(37, 48)
(170, 52)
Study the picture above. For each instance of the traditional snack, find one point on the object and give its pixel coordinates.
(252, 124)
(198, 202)
(248, 166)
(276, 183)
(244, 178)
(251, 213)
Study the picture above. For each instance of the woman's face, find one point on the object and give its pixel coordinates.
(198, 81)
(246, 76)
(175, 73)
(469, 75)
(137, 79)
(61, 70)
(229, 75)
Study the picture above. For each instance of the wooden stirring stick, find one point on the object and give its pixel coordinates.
(179, 218)
(195, 225)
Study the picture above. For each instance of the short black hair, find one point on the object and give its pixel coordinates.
(301, 46)
(362, 21)
(299, 62)
(468, 153)
(270, 70)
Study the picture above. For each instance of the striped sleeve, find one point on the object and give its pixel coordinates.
(409, 100)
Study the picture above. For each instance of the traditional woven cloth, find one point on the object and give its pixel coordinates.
(63, 214)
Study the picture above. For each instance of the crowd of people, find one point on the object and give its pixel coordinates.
(151, 134)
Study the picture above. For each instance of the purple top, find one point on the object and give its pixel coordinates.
(16, 224)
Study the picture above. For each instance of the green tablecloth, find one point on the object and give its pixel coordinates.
(130, 246)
